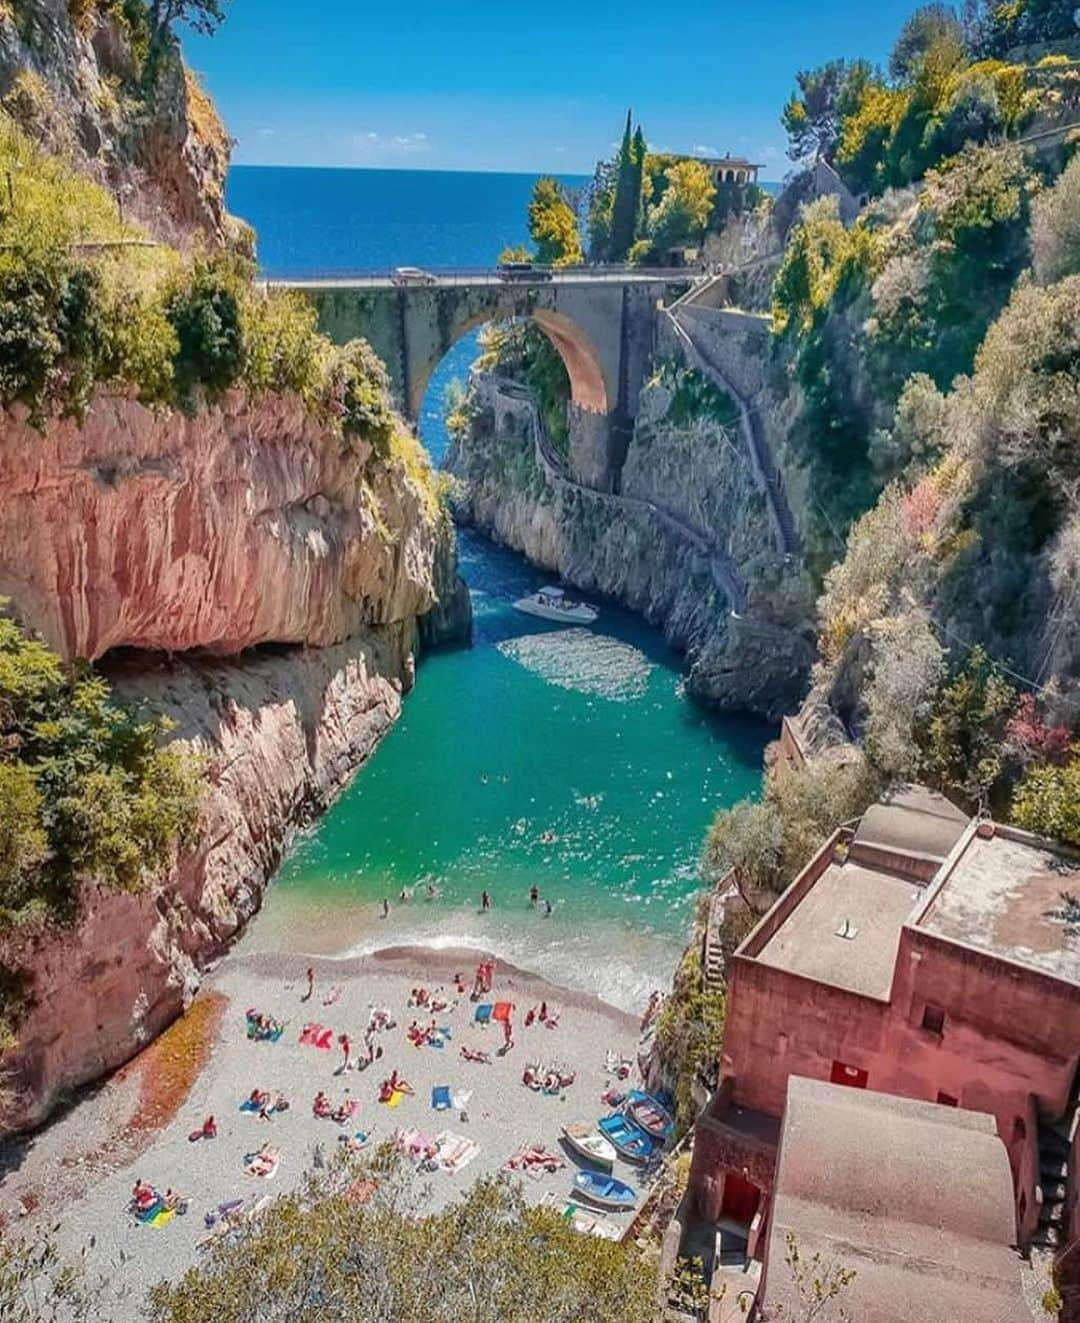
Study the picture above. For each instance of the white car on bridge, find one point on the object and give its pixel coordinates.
(412, 275)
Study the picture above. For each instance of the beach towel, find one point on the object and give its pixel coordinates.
(161, 1218)
(394, 1100)
(265, 1169)
(275, 1035)
(248, 1106)
(148, 1213)
(455, 1151)
(460, 1098)
(440, 1098)
(309, 1033)
(502, 1011)
(482, 1014)
(325, 1041)
(348, 1111)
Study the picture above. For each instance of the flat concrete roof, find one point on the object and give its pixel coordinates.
(913, 820)
(874, 904)
(915, 1198)
(1003, 896)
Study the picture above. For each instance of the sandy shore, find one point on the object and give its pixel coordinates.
(79, 1171)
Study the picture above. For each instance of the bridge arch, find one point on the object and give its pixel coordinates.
(588, 388)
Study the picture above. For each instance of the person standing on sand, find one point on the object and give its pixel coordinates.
(485, 902)
(508, 1034)
(310, 985)
(385, 908)
(346, 1047)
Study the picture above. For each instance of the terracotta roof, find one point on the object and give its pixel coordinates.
(915, 1198)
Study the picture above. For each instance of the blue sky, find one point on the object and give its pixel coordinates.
(482, 86)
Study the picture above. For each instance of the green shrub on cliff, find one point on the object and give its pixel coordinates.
(689, 1032)
(88, 791)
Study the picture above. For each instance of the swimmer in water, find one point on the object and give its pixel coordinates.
(406, 895)
(547, 909)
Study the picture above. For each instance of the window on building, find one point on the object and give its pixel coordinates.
(933, 1019)
(947, 1100)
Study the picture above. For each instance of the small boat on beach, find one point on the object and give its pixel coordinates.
(629, 1140)
(593, 1147)
(604, 1190)
(650, 1114)
(553, 604)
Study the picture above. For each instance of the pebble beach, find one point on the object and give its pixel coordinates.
(77, 1174)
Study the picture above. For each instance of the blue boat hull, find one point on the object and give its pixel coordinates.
(628, 1139)
(605, 1190)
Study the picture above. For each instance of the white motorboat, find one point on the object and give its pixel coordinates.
(553, 604)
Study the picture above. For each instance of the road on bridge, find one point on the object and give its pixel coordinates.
(470, 277)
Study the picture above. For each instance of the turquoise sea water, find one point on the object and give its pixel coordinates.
(571, 759)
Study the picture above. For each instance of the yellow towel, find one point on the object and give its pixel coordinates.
(160, 1219)
(395, 1098)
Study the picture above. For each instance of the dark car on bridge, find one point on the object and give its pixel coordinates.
(524, 271)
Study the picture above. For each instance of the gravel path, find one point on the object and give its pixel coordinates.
(83, 1166)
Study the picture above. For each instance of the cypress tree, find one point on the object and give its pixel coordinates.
(624, 213)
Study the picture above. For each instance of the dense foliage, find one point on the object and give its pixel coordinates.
(82, 307)
(357, 1243)
(948, 84)
(522, 350)
(689, 1032)
(89, 791)
(553, 225)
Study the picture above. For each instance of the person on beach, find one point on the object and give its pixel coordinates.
(405, 895)
(508, 1034)
(534, 895)
(346, 1048)
(321, 1106)
(485, 902)
(543, 1012)
(547, 909)
(385, 908)
(459, 983)
(310, 985)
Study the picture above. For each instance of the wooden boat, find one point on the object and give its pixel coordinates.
(593, 1147)
(604, 1190)
(630, 1141)
(650, 1114)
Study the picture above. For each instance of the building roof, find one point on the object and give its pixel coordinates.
(916, 1199)
(1006, 895)
(913, 820)
(846, 929)
(735, 162)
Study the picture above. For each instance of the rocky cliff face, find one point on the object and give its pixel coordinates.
(248, 524)
(624, 546)
(244, 524)
(89, 89)
(283, 732)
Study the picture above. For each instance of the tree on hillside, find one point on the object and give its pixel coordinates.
(1001, 27)
(823, 98)
(553, 225)
(684, 209)
(626, 208)
(203, 16)
(927, 27)
(357, 1244)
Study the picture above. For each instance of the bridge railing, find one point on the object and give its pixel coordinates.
(466, 275)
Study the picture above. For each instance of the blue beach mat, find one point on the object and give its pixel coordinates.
(440, 1098)
(482, 1014)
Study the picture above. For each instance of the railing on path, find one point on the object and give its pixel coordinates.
(753, 428)
(452, 277)
(721, 567)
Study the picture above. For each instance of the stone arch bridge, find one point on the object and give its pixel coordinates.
(602, 324)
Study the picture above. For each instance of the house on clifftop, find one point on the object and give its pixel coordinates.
(924, 957)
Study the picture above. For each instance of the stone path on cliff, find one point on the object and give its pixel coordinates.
(765, 467)
(722, 568)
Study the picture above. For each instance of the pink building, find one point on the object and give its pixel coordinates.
(913, 1198)
(921, 956)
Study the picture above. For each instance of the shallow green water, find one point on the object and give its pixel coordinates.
(568, 758)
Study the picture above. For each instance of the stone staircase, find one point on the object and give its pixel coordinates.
(1054, 1149)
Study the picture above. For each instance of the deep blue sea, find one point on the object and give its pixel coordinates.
(567, 758)
(322, 222)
